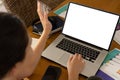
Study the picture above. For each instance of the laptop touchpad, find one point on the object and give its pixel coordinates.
(64, 58)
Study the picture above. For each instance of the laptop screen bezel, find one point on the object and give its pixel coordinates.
(85, 41)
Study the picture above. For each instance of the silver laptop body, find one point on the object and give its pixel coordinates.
(87, 26)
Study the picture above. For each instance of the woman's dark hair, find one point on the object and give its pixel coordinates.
(13, 42)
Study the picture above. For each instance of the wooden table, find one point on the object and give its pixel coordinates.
(107, 5)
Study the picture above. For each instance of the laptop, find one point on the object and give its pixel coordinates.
(86, 31)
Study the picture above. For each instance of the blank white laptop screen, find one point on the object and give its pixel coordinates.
(90, 25)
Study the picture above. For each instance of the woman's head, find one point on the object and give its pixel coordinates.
(13, 42)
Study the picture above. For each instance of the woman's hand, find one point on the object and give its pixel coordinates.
(47, 26)
(75, 65)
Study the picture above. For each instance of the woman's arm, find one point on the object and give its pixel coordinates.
(47, 26)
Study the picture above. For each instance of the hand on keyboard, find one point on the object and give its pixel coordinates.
(75, 65)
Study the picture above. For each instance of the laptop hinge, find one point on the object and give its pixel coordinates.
(84, 42)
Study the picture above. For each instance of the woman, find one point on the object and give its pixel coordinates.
(17, 58)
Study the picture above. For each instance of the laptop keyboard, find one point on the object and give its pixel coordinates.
(72, 47)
